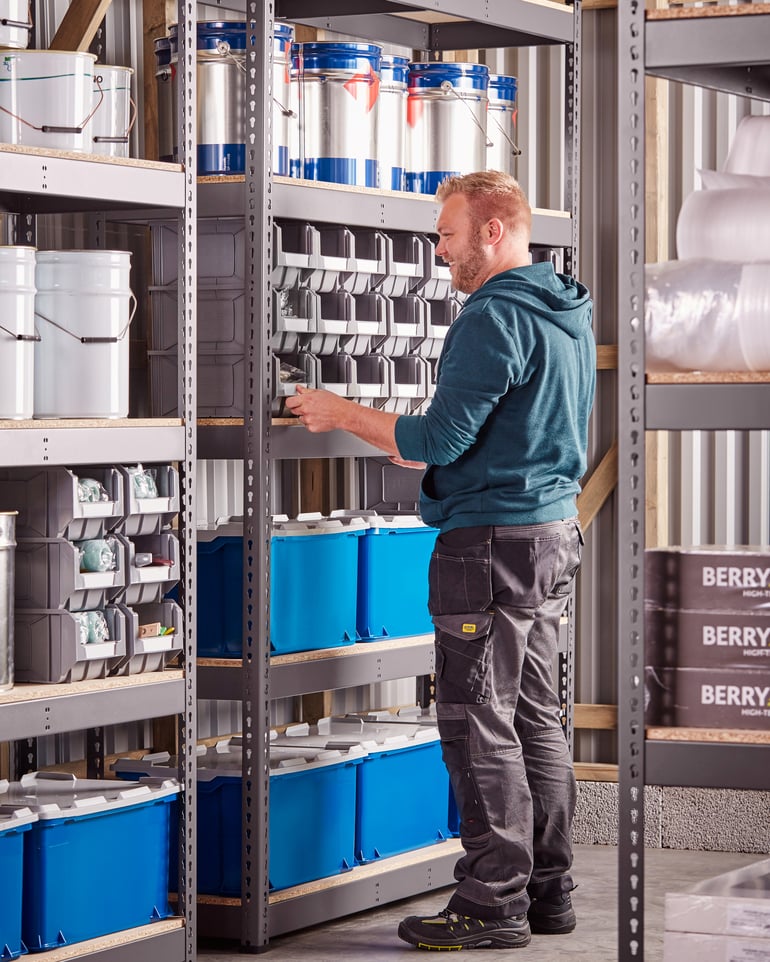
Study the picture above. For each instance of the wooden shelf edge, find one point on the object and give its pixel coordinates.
(715, 735)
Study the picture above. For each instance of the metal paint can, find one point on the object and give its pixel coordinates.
(391, 122)
(501, 124)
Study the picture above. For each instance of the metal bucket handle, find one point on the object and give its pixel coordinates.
(94, 340)
(132, 121)
(448, 87)
(52, 129)
(286, 111)
(5, 22)
(223, 49)
(20, 337)
(515, 150)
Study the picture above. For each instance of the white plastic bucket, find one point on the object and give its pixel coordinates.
(46, 98)
(17, 331)
(83, 309)
(112, 122)
(15, 23)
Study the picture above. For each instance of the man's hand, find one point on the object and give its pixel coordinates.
(417, 465)
(319, 410)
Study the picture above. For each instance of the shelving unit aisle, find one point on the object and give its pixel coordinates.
(42, 181)
(724, 48)
(260, 440)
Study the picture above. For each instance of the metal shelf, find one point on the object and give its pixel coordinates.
(220, 438)
(727, 53)
(365, 207)
(30, 443)
(324, 669)
(39, 181)
(707, 764)
(162, 941)
(29, 711)
(707, 407)
(365, 887)
(504, 23)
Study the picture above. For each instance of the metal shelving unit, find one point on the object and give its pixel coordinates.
(38, 181)
(727, 53)
(260, 440)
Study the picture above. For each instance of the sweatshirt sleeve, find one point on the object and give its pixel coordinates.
(479, 364)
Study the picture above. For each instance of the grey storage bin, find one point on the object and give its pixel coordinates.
(331, 259)
(48, 575)
(220, 252)
(49, 646)
(405, 325)
(220, 385)
(439, 316)
(146, 653)
(220, 317)
(436, 281)
(408, 383)
(295, 314)
(367, 264)
(371, 378)
(49, 506)
(404, 258)
(149, 515)
(335, 373)
(294, 247)
(145, 584)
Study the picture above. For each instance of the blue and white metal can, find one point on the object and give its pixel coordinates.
(283, 35)
(163, 88)
(446, 122)
(338, 87)
(391, 122)
(501, 124)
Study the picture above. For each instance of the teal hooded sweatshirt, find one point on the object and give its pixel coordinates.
(506, 432)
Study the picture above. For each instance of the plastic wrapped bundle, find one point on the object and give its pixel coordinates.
(750, 149)
(731, 225)
(706, 315)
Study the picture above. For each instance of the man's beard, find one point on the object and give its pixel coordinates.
(470, 267)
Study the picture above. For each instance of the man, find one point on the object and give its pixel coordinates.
(504, 441)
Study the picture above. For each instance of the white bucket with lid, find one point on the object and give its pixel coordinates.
(15, 23)
(17, 331)
(114, 117)
(46, 98)
(83, 310)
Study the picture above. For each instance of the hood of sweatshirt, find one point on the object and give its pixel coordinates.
(556, 297)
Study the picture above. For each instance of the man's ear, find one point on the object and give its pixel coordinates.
(494, 230)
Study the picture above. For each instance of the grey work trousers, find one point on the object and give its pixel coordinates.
(496, 597)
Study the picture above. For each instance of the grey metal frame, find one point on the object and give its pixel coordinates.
(728, 53)
(34, 182)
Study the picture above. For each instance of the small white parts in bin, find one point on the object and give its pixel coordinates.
(98, 554)
(142, 482)
(90, 490)
(92, 626)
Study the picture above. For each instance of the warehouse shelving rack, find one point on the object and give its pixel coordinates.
(41, 181)
(260, 440)
(727, 53)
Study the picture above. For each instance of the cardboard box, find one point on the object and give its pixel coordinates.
(695, 947)
(708, 578)
(707, 698)
(678, 638)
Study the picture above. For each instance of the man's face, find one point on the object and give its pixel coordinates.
(460, 245)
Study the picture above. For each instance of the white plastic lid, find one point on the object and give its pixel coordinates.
(13, 817)
(55, 794)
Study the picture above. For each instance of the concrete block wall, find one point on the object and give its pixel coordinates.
(715, 820)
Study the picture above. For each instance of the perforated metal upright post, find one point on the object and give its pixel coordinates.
(256, 478)
(631, 500)
(188, 409)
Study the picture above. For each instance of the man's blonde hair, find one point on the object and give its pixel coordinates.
(491, 194)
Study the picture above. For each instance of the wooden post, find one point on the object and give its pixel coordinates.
(155, 25)
(79, 25)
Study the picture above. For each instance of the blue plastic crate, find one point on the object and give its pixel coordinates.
(96, 860)
(312, 814)
(313, 578)
(393, 578)
(13, 825)
(402, 793)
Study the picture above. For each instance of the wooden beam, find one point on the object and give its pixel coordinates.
(596, 717)
(595, 772)
(598, 487)
(153, 26)
(79, 25)
(606, 357)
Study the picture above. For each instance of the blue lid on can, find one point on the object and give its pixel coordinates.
(394, 69)
(162, 50)
(465, 76)
(283, 35)
(502, 87)
(330, 55)
(213, 32)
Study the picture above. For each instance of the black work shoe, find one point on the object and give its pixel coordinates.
(447, 930)
(553, 915)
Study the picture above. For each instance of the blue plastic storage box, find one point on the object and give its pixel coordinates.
(313, 579)
(14, 822)
(393, 578)
(96, 860)
(402, 788)
(312, 813)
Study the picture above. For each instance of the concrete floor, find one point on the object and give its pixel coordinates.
(371, 936)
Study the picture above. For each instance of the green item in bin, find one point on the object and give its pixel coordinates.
(97, 554)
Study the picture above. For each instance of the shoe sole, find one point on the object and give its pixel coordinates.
(499, 940)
